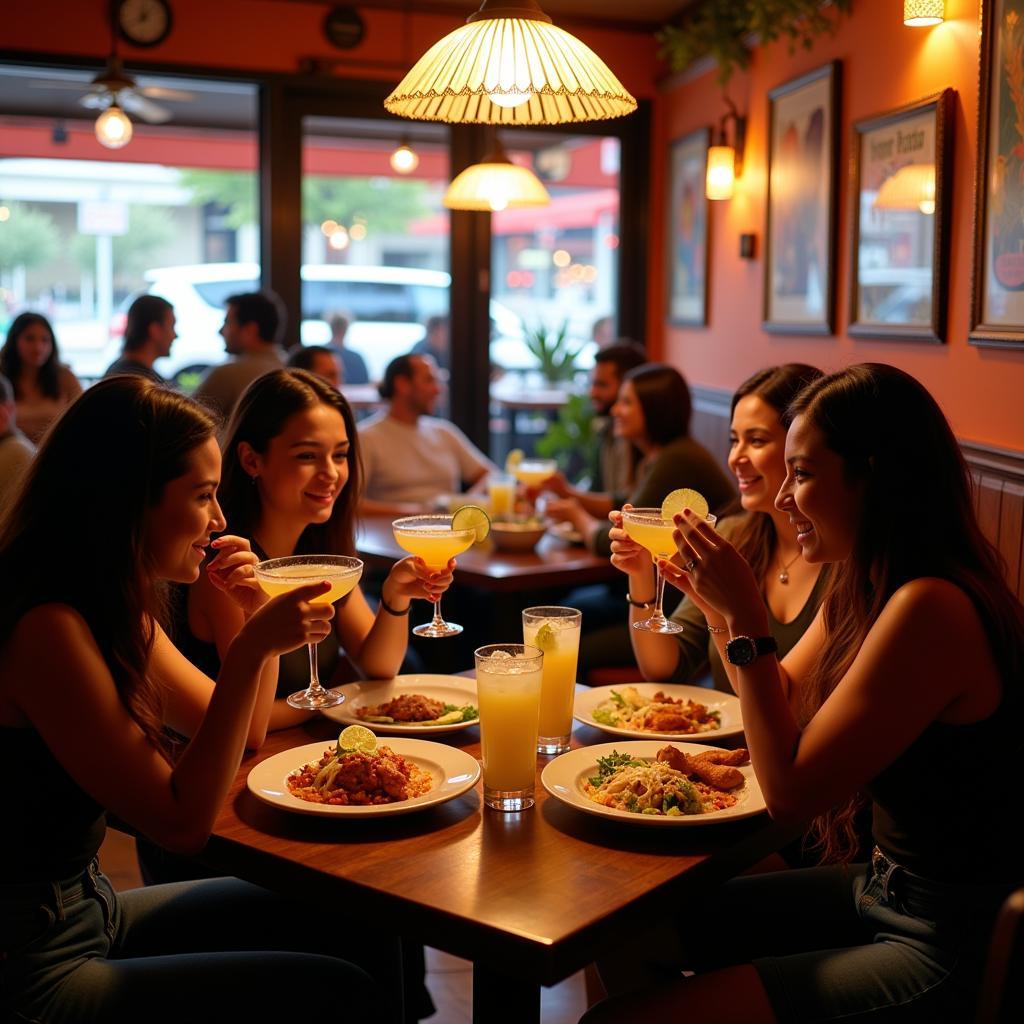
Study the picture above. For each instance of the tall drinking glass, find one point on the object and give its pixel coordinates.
(556, 632)
(279, 575)
(648, 528)
(433, 539)
(508, 685)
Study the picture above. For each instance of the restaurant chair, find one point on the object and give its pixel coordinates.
(1002, 988)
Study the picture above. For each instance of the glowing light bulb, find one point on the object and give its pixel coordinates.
(509, 99)
(338, 240)
(113, 129)
(405, 159)
(721, 174)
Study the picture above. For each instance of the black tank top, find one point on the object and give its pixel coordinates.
(950, 805)
(54, 828)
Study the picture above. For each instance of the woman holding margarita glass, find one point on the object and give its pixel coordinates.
(907, 687)
(88, 680)
(763, 534)
(290, 486)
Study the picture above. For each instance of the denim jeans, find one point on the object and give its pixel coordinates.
(76, 951)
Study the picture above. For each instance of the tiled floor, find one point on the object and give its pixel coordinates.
(449, 979)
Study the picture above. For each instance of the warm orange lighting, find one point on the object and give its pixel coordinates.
(357, 232)
(113, 128)
(561, 258)
(338, 240)
(721, 175)
(912, 187)
(405, 159)
(495, 184)
(921, 13)
(509, 65)
(329, 227)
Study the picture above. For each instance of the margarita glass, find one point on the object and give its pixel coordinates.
(433, 539)
(508, 686)
(650, 529)
(277, 576)
(556, 632)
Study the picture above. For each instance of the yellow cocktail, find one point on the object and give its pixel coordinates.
(533, 472)
(556, 632)
(433, 539)
(502, 492)
(277, 576)
(508, 685)
(650, 528)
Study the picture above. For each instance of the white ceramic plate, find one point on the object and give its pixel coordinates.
(726, 703)
(452, 770)
(372, 692)
(563, 778)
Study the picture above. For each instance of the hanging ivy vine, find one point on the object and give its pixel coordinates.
(721, 29)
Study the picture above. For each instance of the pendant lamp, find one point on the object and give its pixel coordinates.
(510, 65)
(495, 184)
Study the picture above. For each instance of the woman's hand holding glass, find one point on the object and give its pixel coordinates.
(412, 579)
(714, 575)
(231, 571)
(628, 556)
(289, 621)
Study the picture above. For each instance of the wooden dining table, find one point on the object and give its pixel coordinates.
(529, 897)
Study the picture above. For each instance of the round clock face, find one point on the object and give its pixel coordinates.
(343, 27)
(144, 22)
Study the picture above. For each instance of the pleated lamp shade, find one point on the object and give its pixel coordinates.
(509, 65)
(912, 187)
(495, 184)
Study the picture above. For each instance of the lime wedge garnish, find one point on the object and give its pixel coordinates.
(545, 638)
(472, 517)
(357, 737)
(684, 497)
(513, 459)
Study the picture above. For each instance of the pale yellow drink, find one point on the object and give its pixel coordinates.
(434, 545)
(502, 492)
(532, 473)
(556, 632)
(508, 696)
(289, 577)
(656, 538)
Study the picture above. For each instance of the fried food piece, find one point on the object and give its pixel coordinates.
(406, 707)
(715, 767)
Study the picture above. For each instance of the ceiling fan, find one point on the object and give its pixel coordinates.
(114, 85)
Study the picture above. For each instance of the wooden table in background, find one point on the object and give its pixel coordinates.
(554, 563)
(530, 897)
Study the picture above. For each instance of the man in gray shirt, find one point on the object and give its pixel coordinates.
(253, 327)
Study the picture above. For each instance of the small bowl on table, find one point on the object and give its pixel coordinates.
(517, 536)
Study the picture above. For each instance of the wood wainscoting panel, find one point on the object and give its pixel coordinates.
(998, 479)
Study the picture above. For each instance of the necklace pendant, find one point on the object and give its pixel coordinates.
(783, 576)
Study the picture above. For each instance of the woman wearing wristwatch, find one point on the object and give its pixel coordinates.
(792, 588)
(907, 688)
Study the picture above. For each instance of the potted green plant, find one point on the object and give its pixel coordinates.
(553, 351)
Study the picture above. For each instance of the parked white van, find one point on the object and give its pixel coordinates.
(387, 307)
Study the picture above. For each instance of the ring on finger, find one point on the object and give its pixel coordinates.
(690, 565)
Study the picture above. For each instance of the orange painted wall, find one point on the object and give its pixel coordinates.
(272, 35)
(884, 65)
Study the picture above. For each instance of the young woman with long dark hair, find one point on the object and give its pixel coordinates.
(43, 385)
(792, 587)
(88, 683)
(907, 687)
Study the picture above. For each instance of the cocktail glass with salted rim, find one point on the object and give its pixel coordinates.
(532, 473)
(649, 528)
(279, 575)
(508, 688)
(433, 539)
(555, 631)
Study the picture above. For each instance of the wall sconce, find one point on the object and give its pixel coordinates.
(920, 13)
(725, 161)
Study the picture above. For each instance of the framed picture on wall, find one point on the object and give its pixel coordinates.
(899, 203)
(802, 165)
(687, 236)
(997, 293)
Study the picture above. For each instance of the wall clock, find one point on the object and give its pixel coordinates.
(343, 27)
(143, 22)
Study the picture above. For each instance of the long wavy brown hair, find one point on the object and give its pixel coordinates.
(917, 519)
(777, 386)
(259, 417)
(74, 533)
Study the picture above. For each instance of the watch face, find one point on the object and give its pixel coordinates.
(144, 22)
(740, 650)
